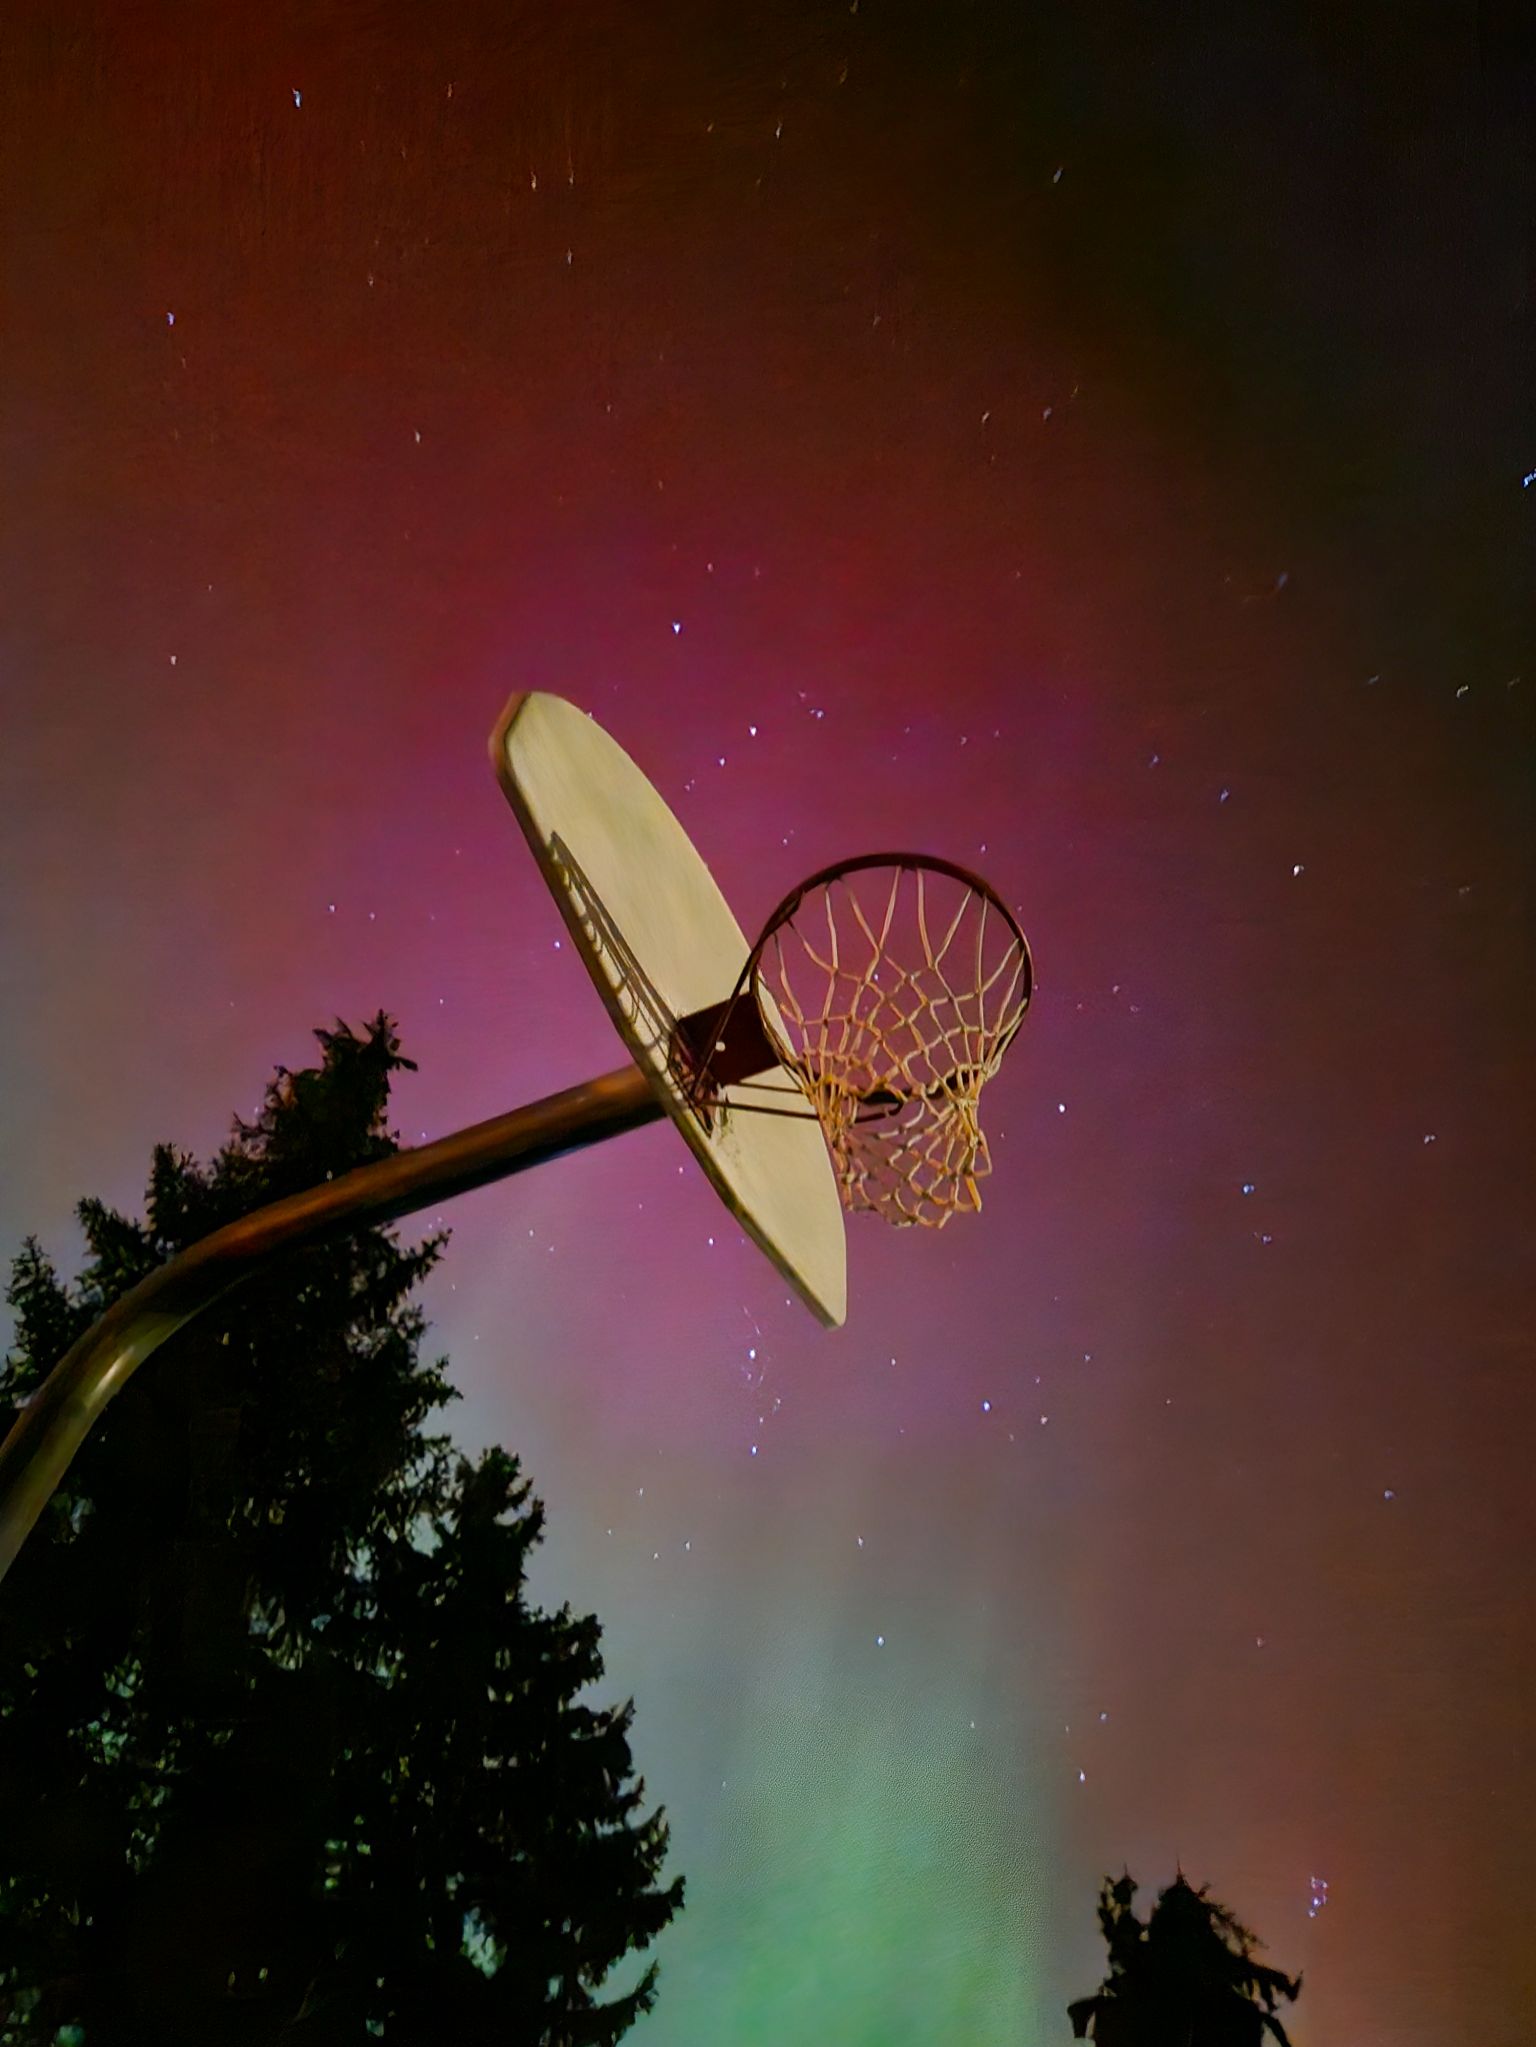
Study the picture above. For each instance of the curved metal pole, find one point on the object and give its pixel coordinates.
(54, 1423)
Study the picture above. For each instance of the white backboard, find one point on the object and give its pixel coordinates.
(660, 942)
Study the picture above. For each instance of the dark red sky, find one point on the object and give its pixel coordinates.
(1098, 440)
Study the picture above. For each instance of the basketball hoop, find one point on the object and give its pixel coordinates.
(890, 987)
(884, 993)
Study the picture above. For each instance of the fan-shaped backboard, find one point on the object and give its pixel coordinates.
(660, 943)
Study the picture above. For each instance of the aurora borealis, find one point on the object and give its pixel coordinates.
(1089, 448)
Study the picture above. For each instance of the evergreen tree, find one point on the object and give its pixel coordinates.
(284, 1753)
(1187, 1978)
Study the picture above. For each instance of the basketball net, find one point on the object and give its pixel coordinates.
(891, 987)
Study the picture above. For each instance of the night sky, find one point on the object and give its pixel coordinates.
(1091, 446)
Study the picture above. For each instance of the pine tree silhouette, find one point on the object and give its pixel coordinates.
(284, 1752)
(1187, 1978)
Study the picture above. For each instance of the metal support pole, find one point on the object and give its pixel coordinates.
(53, 1424)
